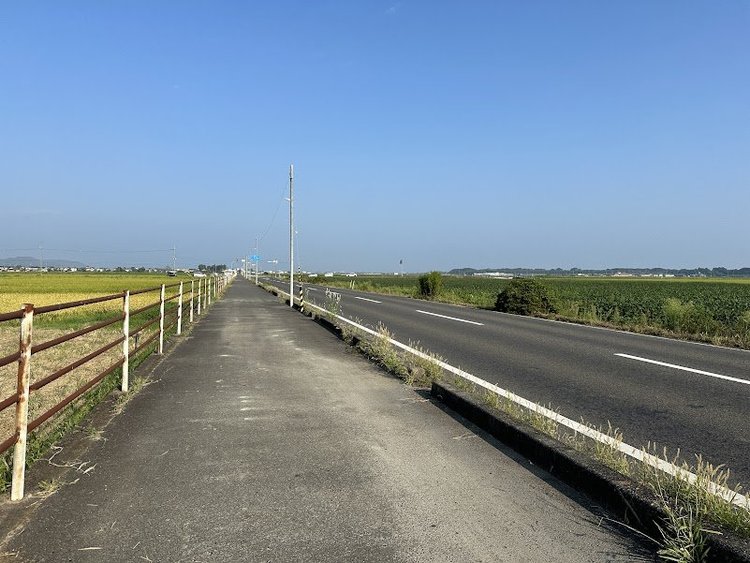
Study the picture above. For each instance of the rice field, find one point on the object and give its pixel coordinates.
(52, 288)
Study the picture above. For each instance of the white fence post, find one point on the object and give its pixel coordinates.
(126, 342)
(209, 287)
(179, 312)
(161, 321)
(22, 404)
(192, 290)
(199, 295)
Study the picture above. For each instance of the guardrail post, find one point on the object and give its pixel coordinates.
(22, 405)
(161, 321)
(179, 312)
(126, 342)
(192, 290)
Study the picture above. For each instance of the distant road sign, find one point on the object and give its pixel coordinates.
(255, 257)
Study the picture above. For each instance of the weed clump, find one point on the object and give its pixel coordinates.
(694, 504)
(431, 285)
(525, 296)
(422, 370)
(380, 349)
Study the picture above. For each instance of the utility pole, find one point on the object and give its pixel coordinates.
(174, 258)
(291, 235)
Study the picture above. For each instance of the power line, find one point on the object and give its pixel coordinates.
(275, 213)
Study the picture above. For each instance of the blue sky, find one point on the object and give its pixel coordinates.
(446, 134)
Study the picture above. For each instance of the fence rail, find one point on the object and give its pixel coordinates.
(194, 295)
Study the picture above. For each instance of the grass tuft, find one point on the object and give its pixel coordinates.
(420, 370)
(49, 487)
(696, 499)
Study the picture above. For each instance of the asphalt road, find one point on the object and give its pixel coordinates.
(578, 371)
(262, 438)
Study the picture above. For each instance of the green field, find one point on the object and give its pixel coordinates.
(707, 309)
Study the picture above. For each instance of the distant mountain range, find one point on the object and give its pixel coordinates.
(31, 262)
(684, 272)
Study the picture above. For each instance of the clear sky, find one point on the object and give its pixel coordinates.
(447, 134)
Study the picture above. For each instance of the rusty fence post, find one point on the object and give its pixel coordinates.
(161, 321)
(179, 312)
(192, 290)
(22, 405)
(126, 341)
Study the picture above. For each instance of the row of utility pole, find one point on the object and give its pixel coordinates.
(256, 256)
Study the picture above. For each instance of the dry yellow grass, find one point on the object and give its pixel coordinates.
(48, 361)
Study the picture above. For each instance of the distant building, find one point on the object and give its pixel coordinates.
(498, 275)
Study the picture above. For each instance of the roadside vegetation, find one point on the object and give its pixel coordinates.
(706, 310)
(525, 296)
(431, 285)
(692, 511)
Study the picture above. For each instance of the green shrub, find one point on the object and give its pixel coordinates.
(525, 296)
(430, 285)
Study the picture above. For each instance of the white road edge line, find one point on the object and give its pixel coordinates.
(451, 318)
(683, 368)
(366, 299)
(638, 454)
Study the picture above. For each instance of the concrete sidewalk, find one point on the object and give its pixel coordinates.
(265, 438)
